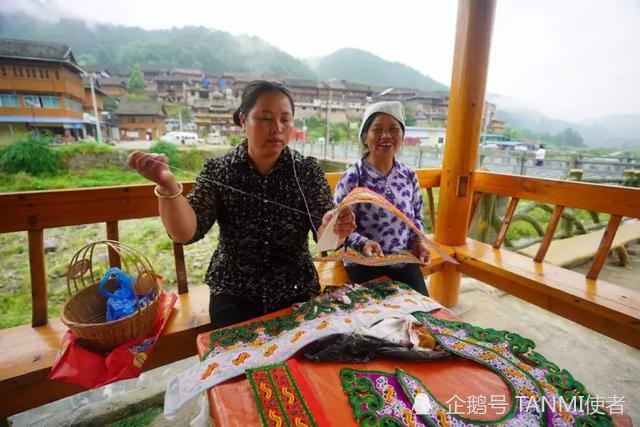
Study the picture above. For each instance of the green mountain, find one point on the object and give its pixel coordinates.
(120, 47)
(360, 66)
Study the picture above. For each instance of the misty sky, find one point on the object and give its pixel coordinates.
(570, 59)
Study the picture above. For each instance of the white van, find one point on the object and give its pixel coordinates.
(182, 138)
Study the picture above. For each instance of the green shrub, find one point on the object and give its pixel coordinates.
(169, 150)
(192, 159)
(33, 155)
(235, 140)
(85, 147)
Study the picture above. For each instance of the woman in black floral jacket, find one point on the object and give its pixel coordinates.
(258, 193)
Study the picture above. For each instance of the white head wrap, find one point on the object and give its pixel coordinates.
(392, 108)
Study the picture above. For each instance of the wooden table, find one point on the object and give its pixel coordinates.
(232, 403)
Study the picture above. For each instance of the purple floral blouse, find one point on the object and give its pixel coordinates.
(400, 187)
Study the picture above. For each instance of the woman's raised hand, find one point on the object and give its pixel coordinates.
(345, 223)
(420, 250)
(154, 167)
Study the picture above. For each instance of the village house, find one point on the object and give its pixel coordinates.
(41, 87)
(115, 87)
(187, 73)
(169, 88)
(140, 120)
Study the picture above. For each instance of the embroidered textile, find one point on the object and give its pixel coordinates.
(541, 392)
(353, 256)
(278, 398)
(328, 240)
(345, 310)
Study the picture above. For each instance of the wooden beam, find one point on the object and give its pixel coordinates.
(333, 178)
(508, 216)
(466, 107)
(39, 312)
(548, 236)
(477, 197)
(61, 208)
(112, 234)
(605, 247)
(181, 269)
(432, 208)
(622, 201)
(428, 178)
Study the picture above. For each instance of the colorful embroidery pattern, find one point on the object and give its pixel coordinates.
(236, 349)
(222, 339)
(352, 255)
(278, 397)
(328, 240)
(540, 390)
(512, 357)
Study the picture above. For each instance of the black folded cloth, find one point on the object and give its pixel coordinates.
(354, 348)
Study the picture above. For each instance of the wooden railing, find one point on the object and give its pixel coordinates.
(619, 202)
(38, 210)
(35, 211)
(602, 306)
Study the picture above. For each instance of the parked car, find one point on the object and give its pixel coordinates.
(182, 138)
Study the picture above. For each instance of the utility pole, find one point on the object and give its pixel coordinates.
(180, 116)
(95, 109)
(326, 125)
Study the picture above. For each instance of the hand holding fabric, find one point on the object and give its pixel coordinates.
(420, 250)
(372, 248)
(345, 223)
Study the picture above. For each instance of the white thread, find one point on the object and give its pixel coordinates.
(295, 176)
(249, 194)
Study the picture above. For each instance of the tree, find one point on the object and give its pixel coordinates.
(110, 104)
(135, 85)
(173, 110)
(409, 115)
(568, 138)
(512, 134)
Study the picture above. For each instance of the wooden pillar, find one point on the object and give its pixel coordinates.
(466, 105)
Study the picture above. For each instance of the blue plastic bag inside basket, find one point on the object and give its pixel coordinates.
(122, 302)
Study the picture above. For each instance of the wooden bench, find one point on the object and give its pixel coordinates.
(27, 353)
(574, 250)
(599, 305)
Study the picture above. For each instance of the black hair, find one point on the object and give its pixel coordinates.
(253, 91)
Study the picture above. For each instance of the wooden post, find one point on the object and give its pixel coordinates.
(466, 105)
(39, 313)
(181, 269)
(112, 234)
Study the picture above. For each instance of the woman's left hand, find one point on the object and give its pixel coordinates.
(420, 250)
(345, 224)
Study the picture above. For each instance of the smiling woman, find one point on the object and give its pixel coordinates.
(379, 170)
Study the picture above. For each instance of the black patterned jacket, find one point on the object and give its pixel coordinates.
(262, 252)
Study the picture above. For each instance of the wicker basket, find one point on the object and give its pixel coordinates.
(85, 312)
